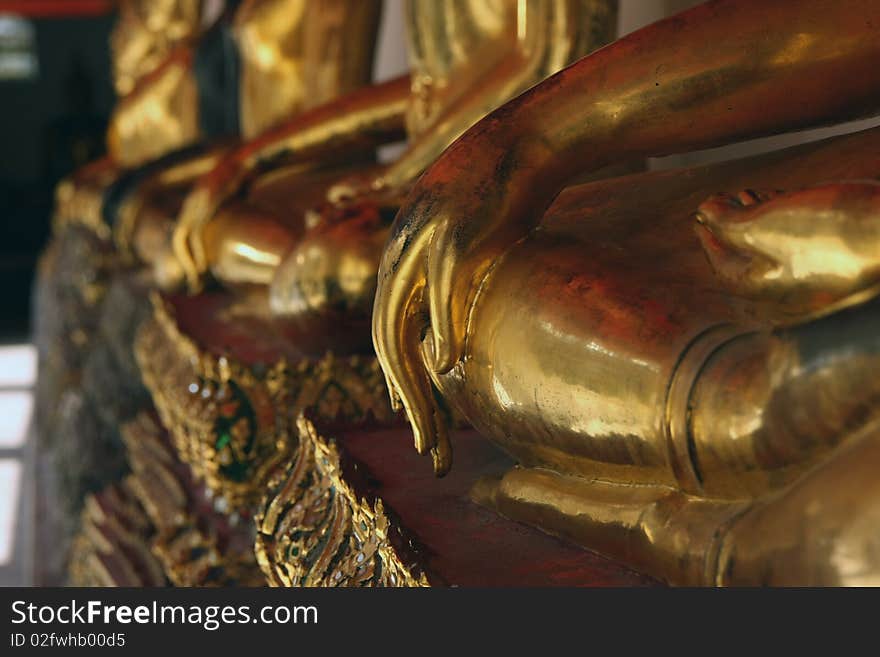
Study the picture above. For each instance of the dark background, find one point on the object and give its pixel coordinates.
(49, 125)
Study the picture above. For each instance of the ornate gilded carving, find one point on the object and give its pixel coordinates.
(232, 423)
(157, 528)
(196, 546)
(313, 529)
(112, 547)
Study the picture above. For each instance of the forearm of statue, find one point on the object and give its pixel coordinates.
(545, 32)
(660, 91)
(656, 91)
(506, 79)
(178, 173)
(194, 168)
(78, 196)
(365, 118)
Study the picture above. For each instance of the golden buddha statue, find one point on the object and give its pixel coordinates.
(152, 48)
(279, 57)
(261, 61)
(146, 34)
(318, 261)
(265, 204)
(684, 377)
(294, 55)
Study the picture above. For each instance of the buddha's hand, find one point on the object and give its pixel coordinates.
(806, 250)
(198, 208)
(368, 188)
(459, 218)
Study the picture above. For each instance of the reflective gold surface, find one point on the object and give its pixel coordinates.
(151, 54)
(292, 54)
(160, 114)
(467, 58)
(144, 34)
(141, 228)
(332, 270)
(615, 359)
(491, 188)
(679, 373)
(346, 129)
(470, 56)
(297, 54)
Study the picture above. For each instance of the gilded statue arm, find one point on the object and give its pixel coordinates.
(161, 178)
(656, 91)
(360, 120)
(545, 32)
(364, 118)
(511, 75)
(192, 168)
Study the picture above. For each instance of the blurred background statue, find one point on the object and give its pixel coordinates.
(315, 263)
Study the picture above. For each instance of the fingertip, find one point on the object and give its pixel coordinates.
(711, 244)
(179, 252)
(443, 357)
(441, 454)
(422, 436)
(441, 341)
(394, 396)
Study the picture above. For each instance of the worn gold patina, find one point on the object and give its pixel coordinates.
(687, 379)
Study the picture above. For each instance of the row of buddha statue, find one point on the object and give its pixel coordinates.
(679, 361)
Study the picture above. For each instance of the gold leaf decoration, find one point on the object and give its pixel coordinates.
(314, 530)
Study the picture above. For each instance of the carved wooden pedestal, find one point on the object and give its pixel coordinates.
(339, 495)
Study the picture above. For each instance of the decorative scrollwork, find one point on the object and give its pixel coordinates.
(195, 545)
(314, 530)
(112, 547)
(154, 528)
(232, 423)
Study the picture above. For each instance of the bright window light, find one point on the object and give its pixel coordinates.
(16, 407)
(10, 481)
(18, 366)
